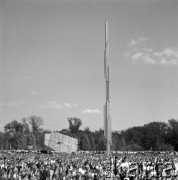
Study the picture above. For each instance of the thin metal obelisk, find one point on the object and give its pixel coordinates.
(107, 116)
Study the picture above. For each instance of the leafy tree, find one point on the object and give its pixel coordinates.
(13, 127)
(30, 139)
(152, 136)
(35, 123)
(2, 140)
(74, 124)
(118, 142)
(37, 133)
(173, 132)
(92, 141)
(26, 128)
(90, 135)
(100, 142)
(14, 134)
(87, 130)
(84, 142)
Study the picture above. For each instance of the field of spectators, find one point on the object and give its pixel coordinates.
(43, 165)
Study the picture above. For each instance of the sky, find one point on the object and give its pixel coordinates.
(52, 61)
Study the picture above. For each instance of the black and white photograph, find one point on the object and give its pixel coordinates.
(88, 89)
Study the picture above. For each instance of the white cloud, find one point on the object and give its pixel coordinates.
(173, 61)
(56, 105)
(91, 111)
(69, 105)
(167, 62)
(17, 103)
(168, 56)
(148, 60)
(167, 52)
(170, 52)
(145, 57)
(163, 61)
(33, 93)
(51, 105)
(134, 42)
(137, 56)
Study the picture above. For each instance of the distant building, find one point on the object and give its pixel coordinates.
(61, 143)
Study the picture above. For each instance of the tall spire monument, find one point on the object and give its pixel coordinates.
(107, 116)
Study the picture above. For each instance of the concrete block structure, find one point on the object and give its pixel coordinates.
(61, 143)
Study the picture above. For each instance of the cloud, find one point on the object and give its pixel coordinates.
(168, 56)
(56, 105)
(148, 60)
(167, 52)
(134, 42)
(171, 52)
(167, 62)
(51, 105)
(33, 93)
(144, 57)
(91, 111)
(137, 56)
(17, 103)
(69, 105)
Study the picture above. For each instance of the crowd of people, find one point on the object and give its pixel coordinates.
(30, 165)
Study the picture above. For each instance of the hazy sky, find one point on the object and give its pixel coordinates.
(52, 54)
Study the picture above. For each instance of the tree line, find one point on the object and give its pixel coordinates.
(154, 136)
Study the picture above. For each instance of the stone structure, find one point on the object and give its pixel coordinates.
(60, 142)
